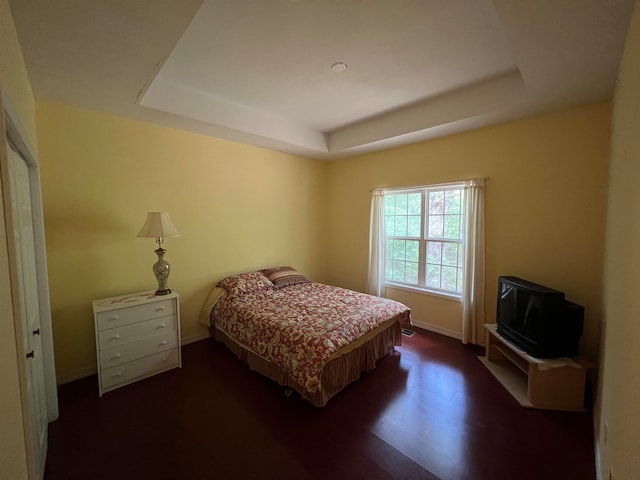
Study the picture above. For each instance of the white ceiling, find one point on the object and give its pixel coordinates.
(258, 71)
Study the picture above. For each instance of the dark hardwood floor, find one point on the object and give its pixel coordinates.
(429, 410)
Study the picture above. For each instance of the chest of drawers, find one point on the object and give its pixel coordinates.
(137, 336)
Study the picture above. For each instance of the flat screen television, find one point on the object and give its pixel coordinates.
(537, 319)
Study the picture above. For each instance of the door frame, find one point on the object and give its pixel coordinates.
(11, 135)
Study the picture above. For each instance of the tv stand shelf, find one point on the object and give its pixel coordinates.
(552, 384)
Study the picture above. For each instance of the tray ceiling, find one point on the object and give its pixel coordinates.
(260, 71)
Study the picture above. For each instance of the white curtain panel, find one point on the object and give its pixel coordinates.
(473, 288)
(377, 237)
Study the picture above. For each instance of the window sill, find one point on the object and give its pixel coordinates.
(424, 291)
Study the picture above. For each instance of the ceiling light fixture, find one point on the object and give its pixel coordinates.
(338, 67)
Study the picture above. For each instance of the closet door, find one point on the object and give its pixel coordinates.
(25, 252)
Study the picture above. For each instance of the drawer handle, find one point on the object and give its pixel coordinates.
(160, 309)
(164, 342)
(115, 357)
(162, 325)
(119, 374)
(113, 318)
(115, 337)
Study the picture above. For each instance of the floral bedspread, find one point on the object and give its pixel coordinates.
(301, 326)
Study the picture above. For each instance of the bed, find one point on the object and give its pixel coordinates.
(308, 336)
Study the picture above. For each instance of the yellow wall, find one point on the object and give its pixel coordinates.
(15, 86)
(13, 76)
(619, 399)
(236, 207)
(545, 207)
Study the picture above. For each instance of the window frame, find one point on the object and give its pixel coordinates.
(425, 237)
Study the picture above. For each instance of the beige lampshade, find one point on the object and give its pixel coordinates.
(158, 225)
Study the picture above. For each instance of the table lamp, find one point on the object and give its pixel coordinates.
(158, 225)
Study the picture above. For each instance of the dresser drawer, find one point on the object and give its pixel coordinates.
(138, 313)
(129, 333)
(138, 368)
(137, 349)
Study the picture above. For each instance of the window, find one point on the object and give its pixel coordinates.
(424, 241)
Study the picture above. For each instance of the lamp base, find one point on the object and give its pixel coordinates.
(161, 270)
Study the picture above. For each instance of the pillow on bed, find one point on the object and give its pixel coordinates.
(284, 276)
(245, 282)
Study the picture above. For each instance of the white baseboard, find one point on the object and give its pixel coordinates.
(436, 329)
(92, 370)
(77, 375)
(86, 372)
(195, 338)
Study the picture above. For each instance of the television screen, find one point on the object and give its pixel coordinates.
(537, 319)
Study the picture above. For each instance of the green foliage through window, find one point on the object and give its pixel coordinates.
(424, 245)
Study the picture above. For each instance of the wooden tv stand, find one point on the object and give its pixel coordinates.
(552, 384)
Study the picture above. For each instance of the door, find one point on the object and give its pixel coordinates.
(25, 251)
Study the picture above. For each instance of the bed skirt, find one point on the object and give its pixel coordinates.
(345, 366)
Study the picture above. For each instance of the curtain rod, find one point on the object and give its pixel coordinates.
(410, 187)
